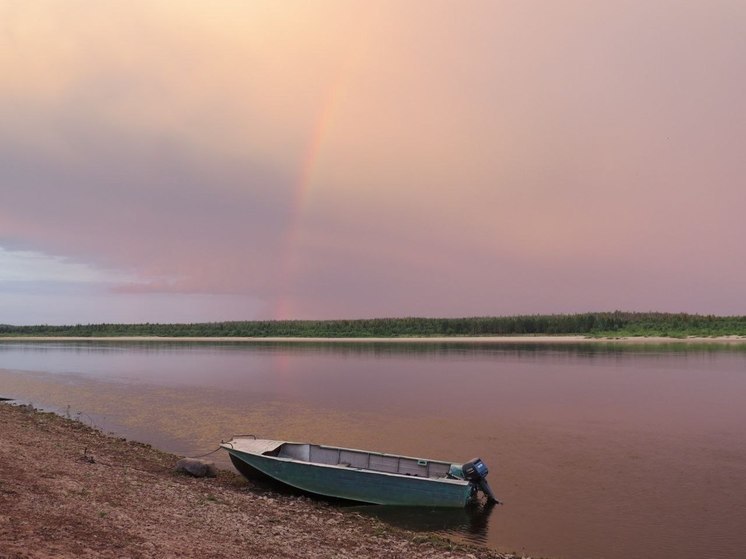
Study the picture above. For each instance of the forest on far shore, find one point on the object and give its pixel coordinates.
(603, 324)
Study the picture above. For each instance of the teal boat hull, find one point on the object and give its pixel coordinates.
(356, 484)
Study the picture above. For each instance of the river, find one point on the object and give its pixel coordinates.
(597, 450)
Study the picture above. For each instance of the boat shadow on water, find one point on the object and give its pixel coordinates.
(470, 523)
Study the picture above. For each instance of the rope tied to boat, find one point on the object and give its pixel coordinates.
(203, 455)
(223, 442)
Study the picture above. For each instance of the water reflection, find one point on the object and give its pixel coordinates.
(424, 347)
(576, 436)
(470, 523)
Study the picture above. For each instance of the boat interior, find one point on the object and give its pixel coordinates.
(361, 459)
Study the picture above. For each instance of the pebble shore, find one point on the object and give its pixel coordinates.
(68, 490)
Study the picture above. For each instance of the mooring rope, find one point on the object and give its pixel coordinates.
(203, 455)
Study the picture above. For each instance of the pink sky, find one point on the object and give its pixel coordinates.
(199, 161)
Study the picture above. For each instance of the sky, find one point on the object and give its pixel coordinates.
(204, 161)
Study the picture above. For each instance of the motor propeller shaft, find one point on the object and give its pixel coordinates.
(476, 472)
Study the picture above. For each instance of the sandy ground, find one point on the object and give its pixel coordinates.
(67, 490)
(451, 339)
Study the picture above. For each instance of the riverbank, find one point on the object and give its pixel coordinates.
(399, 340)
(67, 490)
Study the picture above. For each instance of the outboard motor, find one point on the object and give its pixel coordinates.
(476, 472)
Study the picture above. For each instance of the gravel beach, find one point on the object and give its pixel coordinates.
(67, 490)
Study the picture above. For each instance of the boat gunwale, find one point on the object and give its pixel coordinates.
(451, 481)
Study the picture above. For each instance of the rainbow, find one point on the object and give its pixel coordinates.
(322, 124)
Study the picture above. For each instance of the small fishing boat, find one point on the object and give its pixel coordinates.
(360, 475)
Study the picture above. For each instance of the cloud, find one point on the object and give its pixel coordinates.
(30, 266)
(156, 211)
(94, 307)
(352, 158)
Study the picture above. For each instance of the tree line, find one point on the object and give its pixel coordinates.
(604, 324)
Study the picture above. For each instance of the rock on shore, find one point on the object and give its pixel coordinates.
(56, 500)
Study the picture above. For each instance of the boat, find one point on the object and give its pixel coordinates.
(360, 475)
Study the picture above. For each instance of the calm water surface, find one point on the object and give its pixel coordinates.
(597, 451)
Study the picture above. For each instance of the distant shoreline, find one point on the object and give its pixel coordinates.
(562, 328)
(424, 340)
